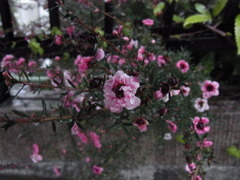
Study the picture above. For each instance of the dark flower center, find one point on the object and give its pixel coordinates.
(140, 121)
(201, 103)
(182, 66)
(118, 91)
(165, 89)
(209, 88)
(200, 125)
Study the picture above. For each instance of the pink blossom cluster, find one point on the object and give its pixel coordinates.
(70, 100)
(70, 30)
(11, 64)
(94, 138)
(83, 63)
(118, 31)
(58, 39)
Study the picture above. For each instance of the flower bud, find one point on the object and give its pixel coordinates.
(100, 54)
(95, 82)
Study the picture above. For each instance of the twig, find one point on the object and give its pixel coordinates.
(99, 36)
(214, 29)
(36, 119)
(105, 13)
(50, 86)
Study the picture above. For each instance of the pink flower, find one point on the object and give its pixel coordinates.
(76, 131)
(196, 177)
(119, 92)
(36, 157)
(57, 58)
(201, 105)
(95, 139)
(57, 171)
(97, 169)
(200, 125)
(141, 123)
(87, 159)
(185, 90)
(121, 61)
(175, 92)
(20, 61)
(148, 22)
(190, 167)
(172, 126)
(58, 39)
(32, 64)
(210, 88)
(161, 60)
(100, 54)
(205, 143)
(113, 59)
(183, 66)
(118, 31)
(83, 63)
(70, 30)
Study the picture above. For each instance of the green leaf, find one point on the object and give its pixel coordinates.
(197, 18)
(21, 114)
(200, 8)
(35, 47)
(159, 8)
(127, 29)
(233, 151)
(179, 138)
(55, 31)
(66, 56)
(218, 7)
(178, 19)
(237, 32)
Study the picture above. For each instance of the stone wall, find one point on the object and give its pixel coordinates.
(164, 162)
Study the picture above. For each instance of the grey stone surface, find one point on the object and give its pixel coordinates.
(164, 163)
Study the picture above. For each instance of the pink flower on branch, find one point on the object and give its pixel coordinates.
(76, 131)
(95, 139)
(183, 66)
(97, 169)
(172, 126)
(36, 157)
(199, 125)
(201, 105)
(141, 123)
(205, 143)
(57, 171)
(185, 90)
(209, 89)
(148, 22)
(119, 92)
(190, 167)
(100, 54)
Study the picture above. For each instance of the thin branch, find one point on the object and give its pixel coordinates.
(99, 36)
(105, 13)
(36, 119)
(52, 87)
